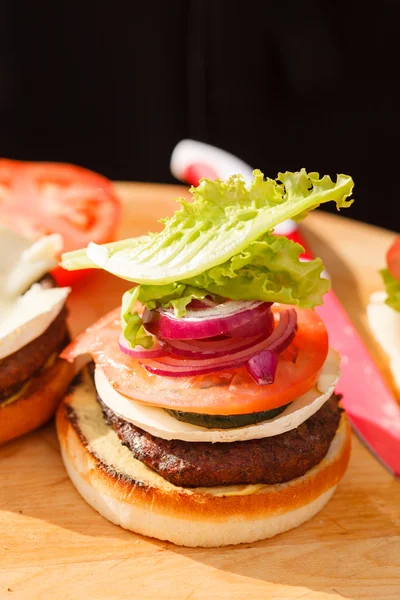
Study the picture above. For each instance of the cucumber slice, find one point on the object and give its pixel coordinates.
(226, 421)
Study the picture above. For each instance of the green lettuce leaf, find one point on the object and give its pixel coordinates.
(223, 219)
(78, 259)
(171, 295)
(268, 270)
(221, 245)
(132, 324)
(392, 286)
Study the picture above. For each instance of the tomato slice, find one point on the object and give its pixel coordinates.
(225, 393)
(41, 198)
(393, 258)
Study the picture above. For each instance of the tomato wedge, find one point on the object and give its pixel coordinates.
(393, 258)
(225, 393)
(44, 197)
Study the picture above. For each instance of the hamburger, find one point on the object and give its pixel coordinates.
(206, 413)
(383, 311)
(33, 330)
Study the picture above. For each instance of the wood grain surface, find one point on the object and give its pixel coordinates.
(53, 545)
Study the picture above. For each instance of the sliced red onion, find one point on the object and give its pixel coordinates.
(284, 332)
(262, 324)
(179, 368)
(262, 367)
(155, 351)
(202, 349)
(282, 336)
(203, 323)
(205, 303)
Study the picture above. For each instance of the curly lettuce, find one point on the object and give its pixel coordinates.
(221, 221)
(221, 244)
(392, 287)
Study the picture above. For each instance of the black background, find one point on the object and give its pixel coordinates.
(282, 85)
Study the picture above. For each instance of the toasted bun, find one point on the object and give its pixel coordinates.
(130, 494)
(38, 402)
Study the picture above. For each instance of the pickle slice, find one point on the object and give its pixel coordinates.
(226, 421)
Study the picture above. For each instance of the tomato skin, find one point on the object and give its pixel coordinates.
(37, 198)
(393, 258)
(66, 278)
(225, 393)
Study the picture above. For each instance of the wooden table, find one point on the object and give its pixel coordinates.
(53, 545)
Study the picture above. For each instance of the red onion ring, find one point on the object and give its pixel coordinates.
(261, 324)
(170, 366)
(202, 349)
(155, 351)
(205, 303)
(262, 367)
(284, 332)
(203, 323)
(181, 369)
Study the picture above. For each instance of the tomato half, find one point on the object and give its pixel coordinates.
(44, 197)
(393, 258)
(225, 393)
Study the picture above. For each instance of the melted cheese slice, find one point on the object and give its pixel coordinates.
(25, 316)
(158, 422)
(384, 323)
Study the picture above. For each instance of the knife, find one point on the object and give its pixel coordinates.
(372, 408)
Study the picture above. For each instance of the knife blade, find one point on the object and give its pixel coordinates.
(372, 408)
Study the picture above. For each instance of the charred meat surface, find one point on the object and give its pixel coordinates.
(17, 368)
(269, 460)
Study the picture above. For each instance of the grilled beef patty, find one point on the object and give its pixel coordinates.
(17, 368)
(270, 460)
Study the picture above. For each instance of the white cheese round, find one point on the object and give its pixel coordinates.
(24, 317)
(158, 422)
(22, 262)
(384, 323)
(29, 316)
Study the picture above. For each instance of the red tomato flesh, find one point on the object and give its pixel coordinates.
(224, 393)
(41, 198)
(393, 258)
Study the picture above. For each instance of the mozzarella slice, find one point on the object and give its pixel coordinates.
(158, 422)
(384, 323)
(23, 262)
(25, 317)
(29, 316)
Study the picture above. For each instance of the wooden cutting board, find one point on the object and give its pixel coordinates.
(53, 545)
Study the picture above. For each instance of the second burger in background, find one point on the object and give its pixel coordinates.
(383, 311)
(33, 330)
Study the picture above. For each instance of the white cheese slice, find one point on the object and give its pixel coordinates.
(25, 317)
(384, 323)
(29, 316)
(158, 422)
(23, 262)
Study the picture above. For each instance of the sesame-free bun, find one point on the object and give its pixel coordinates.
(37, 403)
(133, 496)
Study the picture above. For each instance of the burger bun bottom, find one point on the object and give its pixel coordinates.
(131, 495)
(37, 404)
